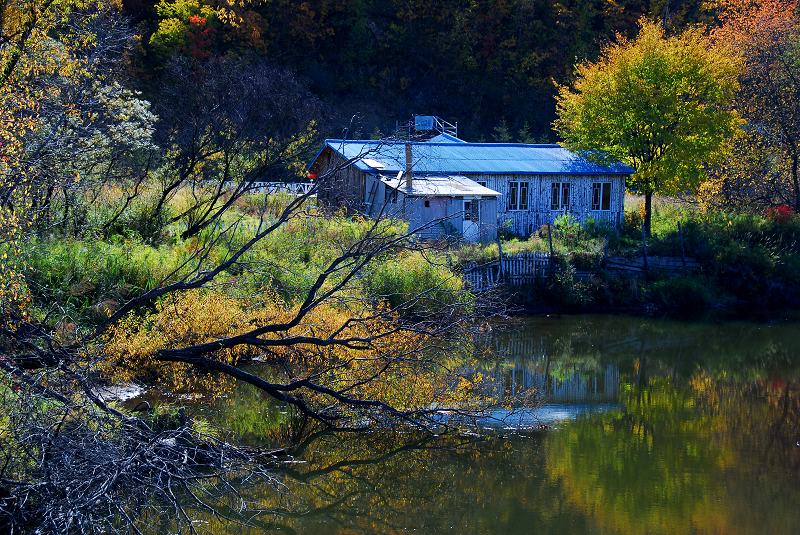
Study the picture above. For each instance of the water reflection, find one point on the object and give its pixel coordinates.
(538, 374)
(663, 427)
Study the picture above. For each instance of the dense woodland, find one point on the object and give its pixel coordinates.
(491, 66)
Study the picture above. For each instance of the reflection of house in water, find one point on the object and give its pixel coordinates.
(531, 366)
(575, 387)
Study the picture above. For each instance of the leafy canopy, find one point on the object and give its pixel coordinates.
(660, 104)
(765, 34)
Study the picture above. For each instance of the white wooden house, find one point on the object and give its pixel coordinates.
(466, 185)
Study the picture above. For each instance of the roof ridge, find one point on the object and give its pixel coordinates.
(460, 143)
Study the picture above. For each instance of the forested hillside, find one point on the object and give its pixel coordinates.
(491, 66)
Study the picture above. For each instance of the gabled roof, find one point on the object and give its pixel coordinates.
(444, 138)
(459, 157)
(444, 186)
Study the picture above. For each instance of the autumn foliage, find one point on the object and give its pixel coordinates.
(14, 295)
(660, 103)
(780, 214)
(765, 167)
(755, 23)
(393, 365)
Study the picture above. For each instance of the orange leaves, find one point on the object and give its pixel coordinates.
(199, 317)
(748, 23)
(191, 318)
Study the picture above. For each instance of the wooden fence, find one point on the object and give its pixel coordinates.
(513, 269)
(295, 188)
(641, 265)
(524, 268)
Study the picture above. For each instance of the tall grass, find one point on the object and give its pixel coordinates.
(422, 284)
(81, 272)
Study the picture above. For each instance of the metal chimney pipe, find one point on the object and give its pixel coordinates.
(409, 167)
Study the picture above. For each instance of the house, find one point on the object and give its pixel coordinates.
(447, 186)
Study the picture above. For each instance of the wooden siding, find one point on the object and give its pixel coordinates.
(340, 184)
(525, 222)
(364, 193)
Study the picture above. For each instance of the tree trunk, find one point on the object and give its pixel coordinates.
(796, 183)
(648, 211)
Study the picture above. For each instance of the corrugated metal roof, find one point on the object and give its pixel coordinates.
(444, 138)
(470, 158)
(431, 186)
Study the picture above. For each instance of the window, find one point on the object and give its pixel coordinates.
(390, 194)
(517, 195)
(481, 183)
(472, 211)
(559, 196)
(601, 196)
(427, 203)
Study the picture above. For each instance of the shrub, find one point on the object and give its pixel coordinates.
(683, 295)
(401, 279)
(780, 214)
(139, 221)
(632, 226)
(563, 288)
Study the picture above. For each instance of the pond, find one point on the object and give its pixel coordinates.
(645, 426)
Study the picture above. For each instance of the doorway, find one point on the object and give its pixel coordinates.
(471, 229)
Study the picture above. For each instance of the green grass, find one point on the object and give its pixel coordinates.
(80, 273)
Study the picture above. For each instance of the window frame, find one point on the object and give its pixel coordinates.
(557, 193)
(518, 196)
(474, 213)
(601, 196)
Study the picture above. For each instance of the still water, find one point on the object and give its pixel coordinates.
(644, 427)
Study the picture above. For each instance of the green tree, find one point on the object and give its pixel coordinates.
(660, 104)
(502, 134)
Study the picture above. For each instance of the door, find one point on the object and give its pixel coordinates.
(471, 229)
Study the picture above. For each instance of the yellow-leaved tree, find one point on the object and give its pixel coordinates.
(662, 104)
(377, 348)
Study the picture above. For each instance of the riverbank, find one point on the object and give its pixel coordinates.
(693, 263)
(687, 297)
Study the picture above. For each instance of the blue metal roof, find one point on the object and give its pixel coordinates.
(460, 157)
(444, 137)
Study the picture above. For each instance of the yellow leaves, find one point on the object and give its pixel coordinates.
(380, 361)
(192, 318)
(662, 104)
(14, 296)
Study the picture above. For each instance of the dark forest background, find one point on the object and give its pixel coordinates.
(491, 66)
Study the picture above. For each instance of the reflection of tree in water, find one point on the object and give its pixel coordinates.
(703, 457)
(704, 443)
(395, 484)
(678, 459)
(578, 359)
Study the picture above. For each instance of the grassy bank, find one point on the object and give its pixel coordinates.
(77, 280)
(745, 261)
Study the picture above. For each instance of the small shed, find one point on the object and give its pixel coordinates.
(436, 206)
